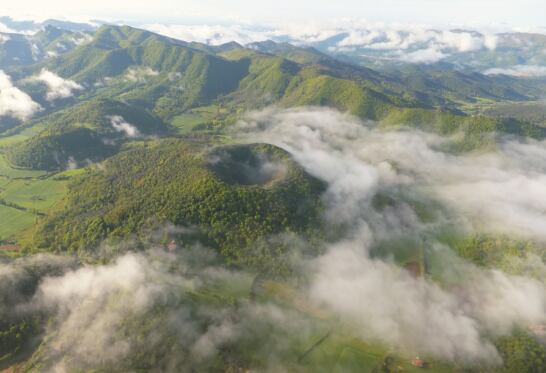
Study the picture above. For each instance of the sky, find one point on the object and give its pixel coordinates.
(517, 13)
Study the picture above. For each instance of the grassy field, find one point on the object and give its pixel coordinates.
(25, 194)
(38, 194)
(25, 134)
(13, 221)
(6, 170)
(532, 111)
(186, 122)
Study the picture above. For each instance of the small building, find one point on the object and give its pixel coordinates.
(538, 330)
(418, 362)
(172, 246)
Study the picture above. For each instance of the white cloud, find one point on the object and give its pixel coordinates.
(429, 55)
(461, 41)
(6, 29)
(497, 192)
(209, 34)
(491, 42)
(122, 126)
(360, 37)
(13, 101)
(4, 38)
(57, 87)
(522, 71)
(140, 75)
(424, 44)
(82, 38)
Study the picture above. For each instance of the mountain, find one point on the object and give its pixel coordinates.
(252, 191)
(302, 55)
(464, 48)
(85, 133)
(152, 78)
(15, 49)
(28, 26)
(18, 49)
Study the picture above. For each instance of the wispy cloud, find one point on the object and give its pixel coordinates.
(140, 75)
(421, 43)
(497, 192)
(13, 101)
(57, 87)
(522, 71)
(4, 38)
(429, 55)
(120, 125)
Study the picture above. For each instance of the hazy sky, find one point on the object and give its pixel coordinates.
(524, 13)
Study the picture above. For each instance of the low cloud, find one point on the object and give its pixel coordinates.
(140, 75)
(57, 87)
(425, 56)
(520, 71)
(500, 192)
(4, 38)
(209, 34)
(387, 304)
(120, 125)
(6, 29)
(140, 312)
(416, 44)
(14, 102)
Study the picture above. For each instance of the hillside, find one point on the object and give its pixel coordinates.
(235, 198)
(17, 49)
(88, 132)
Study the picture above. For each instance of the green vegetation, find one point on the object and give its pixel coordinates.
(522, 353)
(25, 195)
(14, 221)
(82, 134)
(173, 181)
(15, 336)
(158, 85)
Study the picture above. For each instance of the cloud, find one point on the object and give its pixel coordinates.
(520, 71)
(81, 38)
(361, 37)
(423, 44)
(57, 87)
(122, 126)
(491, 42)
(142, 309)
(498, 192)
(426, 56)
(209, 34)
(385, 303)
(140, 75)
(4, 38)
(14, 102)
(462, 41)
(6, 29)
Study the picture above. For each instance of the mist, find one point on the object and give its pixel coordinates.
(162, 308)
(500, 191)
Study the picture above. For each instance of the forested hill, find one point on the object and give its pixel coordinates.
(162, 86)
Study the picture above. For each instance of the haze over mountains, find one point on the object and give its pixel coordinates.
(231, 198)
